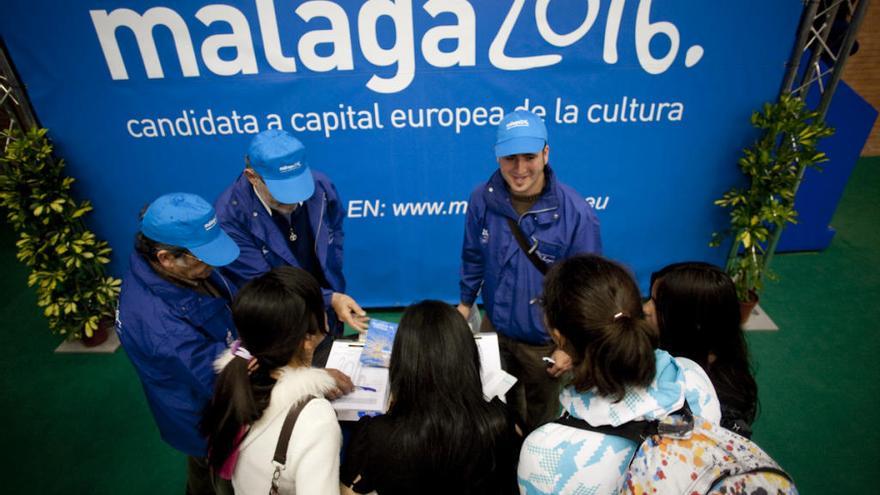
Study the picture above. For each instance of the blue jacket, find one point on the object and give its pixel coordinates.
(263, 246)
(561, 222)
(172, 336)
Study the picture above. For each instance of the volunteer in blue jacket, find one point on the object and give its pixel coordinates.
(518, 223)
(281, 212)
(174, 320)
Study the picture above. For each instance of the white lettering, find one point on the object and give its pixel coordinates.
(142, 27)
(464, 33)
(245, 62)
(560, 40)
(338, 36)
(400, 54)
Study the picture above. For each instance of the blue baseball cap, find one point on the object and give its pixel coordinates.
(520, 132)
(280, 159)
(188, 221)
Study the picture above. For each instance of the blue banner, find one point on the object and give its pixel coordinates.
(647, 105)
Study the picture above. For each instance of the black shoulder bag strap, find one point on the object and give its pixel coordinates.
(530, 251)
(280, 458)
(636, 431)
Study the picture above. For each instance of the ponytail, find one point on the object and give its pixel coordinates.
(273, 314)
(622, 356)
(239, 399)
(595, 304)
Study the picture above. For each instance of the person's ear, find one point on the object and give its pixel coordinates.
(252, 177)
(558, 338)
(311, 342)
(546, 154)
(166, 259)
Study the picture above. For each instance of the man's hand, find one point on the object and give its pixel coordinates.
(344, 384)
(464, 309)
(563, 363)
(349, 312)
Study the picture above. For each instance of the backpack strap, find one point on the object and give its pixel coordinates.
(280, 458)
(530, 251)
(635, 431)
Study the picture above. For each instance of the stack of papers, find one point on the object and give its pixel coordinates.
(371, 394)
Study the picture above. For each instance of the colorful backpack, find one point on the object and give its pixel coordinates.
(686, 454)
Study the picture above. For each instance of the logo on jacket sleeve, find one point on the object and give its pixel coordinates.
(484, 237)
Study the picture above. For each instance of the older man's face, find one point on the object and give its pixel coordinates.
(263, 191)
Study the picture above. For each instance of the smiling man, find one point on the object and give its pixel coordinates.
(518, 224)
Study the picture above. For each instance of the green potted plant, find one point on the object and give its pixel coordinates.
(66, 259)
(773, 165)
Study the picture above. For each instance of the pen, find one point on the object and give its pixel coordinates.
(548, 361)
(368, 389)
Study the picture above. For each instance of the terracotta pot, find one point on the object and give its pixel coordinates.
(746, 307)
(105, 326)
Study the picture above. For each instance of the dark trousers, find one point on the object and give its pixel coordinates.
(200, 480)
(536, 394)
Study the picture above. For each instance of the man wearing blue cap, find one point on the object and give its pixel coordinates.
(282, 212)
(518, 224)
(174, 320)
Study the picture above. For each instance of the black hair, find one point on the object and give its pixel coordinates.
(441, 418)
(273, 314)
(595, 304)
(149, 248)
(698, 314)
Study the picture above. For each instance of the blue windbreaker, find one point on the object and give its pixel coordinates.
(172, 336)
(264, 247)
(561, 222)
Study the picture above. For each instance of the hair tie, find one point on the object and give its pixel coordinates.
(620, 315)
(238, 350)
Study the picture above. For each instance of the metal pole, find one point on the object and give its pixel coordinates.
(842, 57)
(825, 30)
(23, 111)
(803, 32)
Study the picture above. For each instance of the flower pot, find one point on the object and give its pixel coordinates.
(746, 307)
(105, 326)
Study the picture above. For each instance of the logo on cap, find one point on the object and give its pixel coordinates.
(289, 168)
(210, 225)
(518, 123)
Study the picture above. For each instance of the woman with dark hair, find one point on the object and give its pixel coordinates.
(594, 313)
(439, 435)
(280, 319)
(695, 308)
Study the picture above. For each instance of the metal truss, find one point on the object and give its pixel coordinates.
(15, 108)
(813, 38)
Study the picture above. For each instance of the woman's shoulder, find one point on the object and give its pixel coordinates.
(699, 391)
(556, 457)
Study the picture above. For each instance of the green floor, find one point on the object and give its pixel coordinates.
(79, 423)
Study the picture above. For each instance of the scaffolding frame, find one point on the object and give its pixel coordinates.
(817, 20)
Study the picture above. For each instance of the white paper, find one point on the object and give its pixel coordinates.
(345, 356)
(475, 319)
(496, 382)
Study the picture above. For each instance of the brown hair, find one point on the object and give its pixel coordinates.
(595, 304)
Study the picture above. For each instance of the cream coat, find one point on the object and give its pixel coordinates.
(313, 453)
